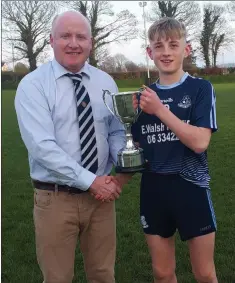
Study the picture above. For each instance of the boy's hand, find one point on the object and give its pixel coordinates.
(134, 101)
(108, 180)
(150, 102)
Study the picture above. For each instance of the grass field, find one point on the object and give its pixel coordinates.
(133, 263)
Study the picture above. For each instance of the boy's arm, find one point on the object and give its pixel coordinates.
(196, 136)
(123, 178)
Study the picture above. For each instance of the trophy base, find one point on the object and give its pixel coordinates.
(119, 169)
(130, 161)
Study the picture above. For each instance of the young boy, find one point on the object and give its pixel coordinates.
(174, 130)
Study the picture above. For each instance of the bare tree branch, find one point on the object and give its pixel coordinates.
(105, 25)
(187, 12)
(214, 35)
(27, 26)
(230, 8)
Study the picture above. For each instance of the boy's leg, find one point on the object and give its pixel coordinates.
(197, 225)
(162, 251)
(158, 225)
(202, 258)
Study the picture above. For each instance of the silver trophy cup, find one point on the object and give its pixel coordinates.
(131, 158)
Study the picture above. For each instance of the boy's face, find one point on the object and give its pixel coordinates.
(168, 54)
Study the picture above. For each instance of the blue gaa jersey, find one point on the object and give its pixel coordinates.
(193, 101)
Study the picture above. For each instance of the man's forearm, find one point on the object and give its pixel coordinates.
(195, 138)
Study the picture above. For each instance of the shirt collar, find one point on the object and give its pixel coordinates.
(182, 79)
(60, 71)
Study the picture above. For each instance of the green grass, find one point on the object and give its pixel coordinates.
(19, 263)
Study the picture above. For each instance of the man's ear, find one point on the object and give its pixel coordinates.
(51, 40)
(92, 44)
(149, 51)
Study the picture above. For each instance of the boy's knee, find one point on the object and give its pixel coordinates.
(165, 273)
(205, 276)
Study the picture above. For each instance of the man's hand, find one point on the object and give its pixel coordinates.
(105, 190)
(120, 179)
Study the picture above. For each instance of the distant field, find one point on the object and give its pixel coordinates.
(133, 262)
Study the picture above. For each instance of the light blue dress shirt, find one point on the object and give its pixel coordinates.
(45, 104)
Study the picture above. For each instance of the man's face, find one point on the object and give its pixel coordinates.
(168, 54)
(71, 42)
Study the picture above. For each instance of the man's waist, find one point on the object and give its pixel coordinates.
(56, 187)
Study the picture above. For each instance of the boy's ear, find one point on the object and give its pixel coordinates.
(187, 50)
(149, 51)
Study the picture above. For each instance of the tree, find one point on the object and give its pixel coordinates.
(187, 12)
(120, 61)
(108, 65)
(142, 67)
(106, 27)
(21, 68)
(231, 9)
(114, 63)
(101, 55)
(131, 66)
(214, 36)
(208, 28)
(27, 26)
(216, 42)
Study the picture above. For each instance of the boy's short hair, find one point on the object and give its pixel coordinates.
(166, 28)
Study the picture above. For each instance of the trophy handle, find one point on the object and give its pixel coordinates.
(138, 110)
(104, 99)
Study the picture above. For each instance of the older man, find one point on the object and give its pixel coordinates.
(72, 141)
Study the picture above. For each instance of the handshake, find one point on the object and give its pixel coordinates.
(108, 188)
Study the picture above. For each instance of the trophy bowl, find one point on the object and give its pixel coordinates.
(131, 158)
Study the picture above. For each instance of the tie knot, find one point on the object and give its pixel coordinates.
(76, 78)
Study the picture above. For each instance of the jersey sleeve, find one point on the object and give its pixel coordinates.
(204, 113)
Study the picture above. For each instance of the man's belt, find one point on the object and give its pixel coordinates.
(55, 187)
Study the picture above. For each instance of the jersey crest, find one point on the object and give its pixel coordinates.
(185, 102)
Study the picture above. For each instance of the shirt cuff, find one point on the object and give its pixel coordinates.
(86, 178)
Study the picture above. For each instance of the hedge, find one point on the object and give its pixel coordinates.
(9, 85)
(213, 79)
(137, 82)
(221, 78)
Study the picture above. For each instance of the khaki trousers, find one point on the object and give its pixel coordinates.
(61, 219)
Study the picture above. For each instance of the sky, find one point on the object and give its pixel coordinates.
(132, 49)
(138, 56)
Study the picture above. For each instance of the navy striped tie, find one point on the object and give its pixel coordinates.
(89, 153)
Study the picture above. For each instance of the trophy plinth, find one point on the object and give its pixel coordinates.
(131, 158)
